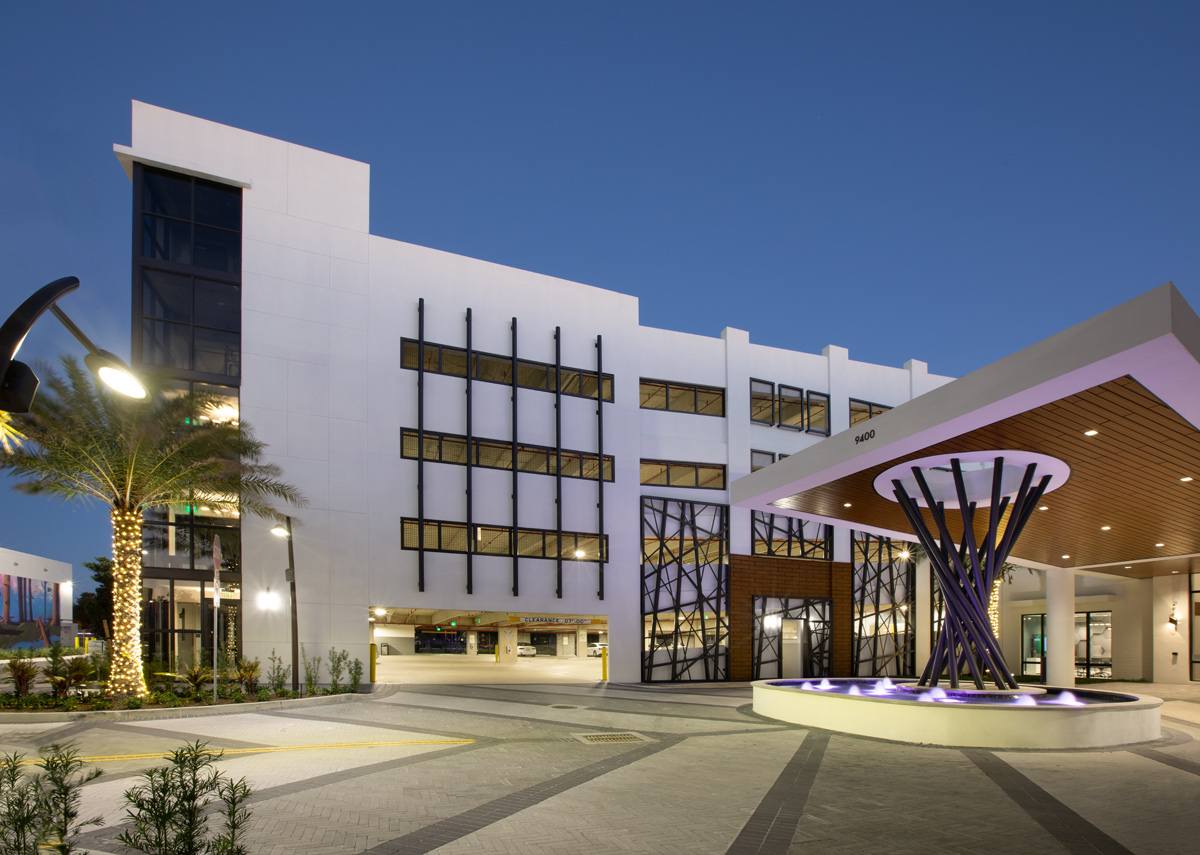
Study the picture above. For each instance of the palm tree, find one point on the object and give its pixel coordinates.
(83, 442)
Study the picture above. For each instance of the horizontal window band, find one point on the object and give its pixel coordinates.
(498, 454)
(445, 536)
(681, 398)
(672, 473)
(494, 368)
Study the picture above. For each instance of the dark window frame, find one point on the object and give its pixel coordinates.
(582, 379)
(695, 388)
(549, 540)
(799, 399)
(754, 451)
(683, 464)
(770, 398)
(808, 408)
(584, 458)
(873, 410)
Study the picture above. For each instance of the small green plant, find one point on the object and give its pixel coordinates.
(263, 694)
(41, 813)
(167, 810)
(277, 674)
(133, 703)
(102, 704)
(356, 675)
(55, 672)
(80, 670)
(21, 674)
(158, 674)
(70, 703)
(197, 676)
(312, 672)
(248, 673)
(337, 667)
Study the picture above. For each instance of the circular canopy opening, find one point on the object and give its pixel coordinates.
(978, 469)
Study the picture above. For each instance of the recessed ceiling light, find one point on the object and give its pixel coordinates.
(1044, 508)
(1127, 567)
(1066, 556)
(1105, 527)
(1092, 432)
(1174, 571)
(846, 505)
(1160, 544)
(1187, 478)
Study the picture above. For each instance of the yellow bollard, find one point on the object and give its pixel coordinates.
(374, 655)
(604, 663)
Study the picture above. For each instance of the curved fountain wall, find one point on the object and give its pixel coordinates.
(1055, 718)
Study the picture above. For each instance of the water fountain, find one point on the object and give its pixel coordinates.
(922, 710)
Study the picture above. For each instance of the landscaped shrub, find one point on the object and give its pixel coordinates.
(80, 670)
(263, 694)
(168, 808)
(312, 672)
(55, 672)
(277, 674)
(337, 667)
(248, 673)
(197, 676)
(356, 675)
(130, 704)
(21, 674)
(102, 704)
(41, 813)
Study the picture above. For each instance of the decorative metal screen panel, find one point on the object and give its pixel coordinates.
(788, 537)
(685, 590)
(814, 636)
(884, 605)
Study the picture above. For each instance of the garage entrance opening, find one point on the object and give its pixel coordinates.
(452, 646)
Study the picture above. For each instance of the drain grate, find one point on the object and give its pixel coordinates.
(611, 737)
(563, 707)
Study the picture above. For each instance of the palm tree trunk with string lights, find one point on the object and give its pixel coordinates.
(82, 442)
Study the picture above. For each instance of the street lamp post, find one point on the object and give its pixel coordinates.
(284, 529)
(18, 383)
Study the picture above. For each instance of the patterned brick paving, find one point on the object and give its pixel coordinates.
(711, 778)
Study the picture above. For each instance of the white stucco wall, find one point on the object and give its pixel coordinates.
(324, 307)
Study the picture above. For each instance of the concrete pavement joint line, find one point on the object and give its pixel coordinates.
(107, 836)
(472, 820)
(271, 749)
(121, 727)
(1185, 722)
(1168, 759)
(591, 706)
(772, 826)
(564, 722)
(1070, 829)
(380, 725)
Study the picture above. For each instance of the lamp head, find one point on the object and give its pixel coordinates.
(280, 530)
(114, 373)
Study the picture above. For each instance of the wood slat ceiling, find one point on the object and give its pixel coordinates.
(1127, 477)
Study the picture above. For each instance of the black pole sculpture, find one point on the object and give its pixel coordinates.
(967, 572)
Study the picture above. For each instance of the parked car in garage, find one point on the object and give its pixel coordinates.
(526, 650)
(596, 648)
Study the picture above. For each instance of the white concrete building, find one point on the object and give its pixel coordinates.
(255, 272)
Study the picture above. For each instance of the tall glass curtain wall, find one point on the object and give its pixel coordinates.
(187, 327)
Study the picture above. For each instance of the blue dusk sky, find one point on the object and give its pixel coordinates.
(942, 181)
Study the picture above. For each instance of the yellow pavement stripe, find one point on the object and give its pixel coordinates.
(266, 749)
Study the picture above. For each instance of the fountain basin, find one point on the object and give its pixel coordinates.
(1052, 719)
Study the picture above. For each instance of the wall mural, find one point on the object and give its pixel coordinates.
(29, 612)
